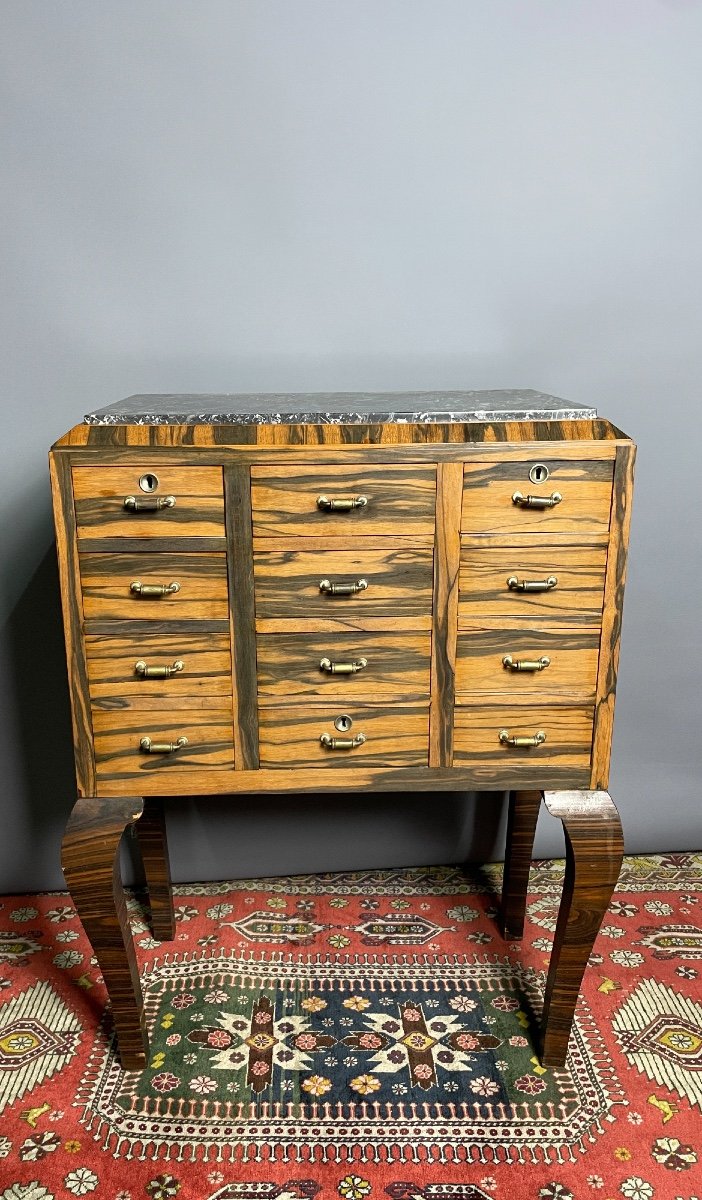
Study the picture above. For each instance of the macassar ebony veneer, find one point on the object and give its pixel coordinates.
(342, 593)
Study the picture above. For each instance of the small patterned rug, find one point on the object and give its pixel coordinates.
(364, 1035)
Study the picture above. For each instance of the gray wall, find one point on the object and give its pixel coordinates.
(205, 195)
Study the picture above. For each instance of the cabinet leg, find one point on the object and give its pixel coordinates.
(150, 832)
(521, 828)
(90, 860)
(594, 851)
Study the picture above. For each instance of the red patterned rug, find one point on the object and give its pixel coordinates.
(360, 1036)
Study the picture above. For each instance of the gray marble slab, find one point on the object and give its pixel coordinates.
(338, 408)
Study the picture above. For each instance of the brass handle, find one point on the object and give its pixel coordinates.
(158, 672)
(531, 585)
(148, 747)
(525, 664)
(537, 501)
(148, 503)
(342, 589)
(340, 668)
(341, 504)
(508, 739)
(153, 589)
(334, 743)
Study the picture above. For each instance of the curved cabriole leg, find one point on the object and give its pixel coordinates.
(594, 851)
(90, 861)
(521, 828)
(151, 835)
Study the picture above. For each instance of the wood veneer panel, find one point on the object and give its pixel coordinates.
(106, 581)
(397, 663)
(585, 487)
(486, 595)
(111, 664)
(118, 734)
(567, 746)
(287, 583)
(69, 576)
(570, 675)
(396, 735)
(447, 554)
(242, 613)
(100, 491)
(622, 493)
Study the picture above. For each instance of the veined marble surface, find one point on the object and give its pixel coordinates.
(338, 408)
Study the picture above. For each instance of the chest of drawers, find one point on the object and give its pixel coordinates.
(287, 594)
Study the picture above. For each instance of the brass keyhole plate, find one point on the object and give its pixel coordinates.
(539, 473)
(343, 723)
(148, 482)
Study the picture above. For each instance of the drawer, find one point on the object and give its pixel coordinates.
(391, 499)
(201, 578)
(396, 735)
(566, 748)
(395, 663)
(205, 670)
(399, 584)
(118, 733)
(571, 670)
(197, 508)
(487, 565)
(585, 488)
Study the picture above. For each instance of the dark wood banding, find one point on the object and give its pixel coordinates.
(447, 554)
(152, 545)
(242, 614)
(521, 829)
(150, 832)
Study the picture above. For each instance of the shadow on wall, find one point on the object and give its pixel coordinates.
(210, 839)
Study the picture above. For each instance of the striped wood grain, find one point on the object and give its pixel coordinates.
(242, 615)
(100, 492)
(398, 664)
(585, 486)
(69, 576)
(571, 673)
(447, 553)
(118, 733)
(400, 499)
(106, 580)
(486, 567)
(566, 749)
(397, 735)
(111, 664)
(622, 494)
(287, 583)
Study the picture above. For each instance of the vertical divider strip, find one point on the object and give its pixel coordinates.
(242, 614)
(447, 556)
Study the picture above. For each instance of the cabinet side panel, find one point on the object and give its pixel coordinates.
(237, 508)
(69, 574)
(620, 519)
(447, 561)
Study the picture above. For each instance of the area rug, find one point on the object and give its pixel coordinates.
(358, 1035)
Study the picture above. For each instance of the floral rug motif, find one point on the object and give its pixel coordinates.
(362, 1035)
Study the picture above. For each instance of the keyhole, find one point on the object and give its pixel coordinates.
(148, 483)
(343, 723)
(539, 473)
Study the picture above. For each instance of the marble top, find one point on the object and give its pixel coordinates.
(338, 408)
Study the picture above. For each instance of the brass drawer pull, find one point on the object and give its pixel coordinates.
(342, 589)
(153, 589)
(158, 672)
(341, 504)
(148, 503)
(148, 747)
(525, 664)
(339, 668)
(537, 501)
(508, 739)
(334, 743)
(531, 585)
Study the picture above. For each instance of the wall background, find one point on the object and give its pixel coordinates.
(210, 195)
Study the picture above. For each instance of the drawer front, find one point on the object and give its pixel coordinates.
(485, 592)
(288, 583)
(197, 494)
(313, 664)
(585, 489)
(395, 735)
(107, 580)
(133, 666)
(118, 734)
(566, 748)
(390, 499)
(567, 662)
